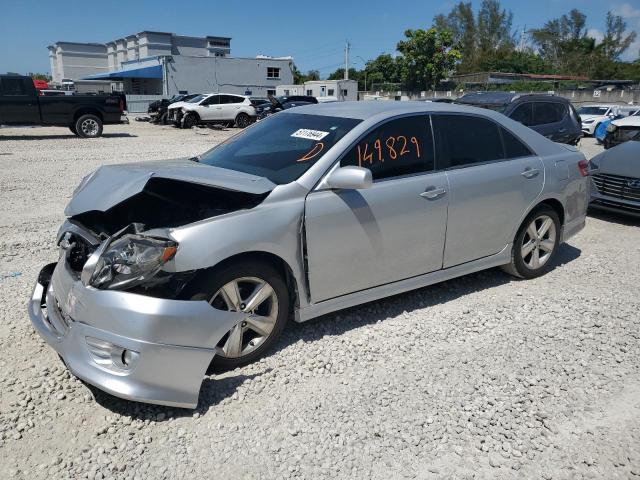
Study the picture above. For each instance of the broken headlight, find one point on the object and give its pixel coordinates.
(611, 128)
(131, 260)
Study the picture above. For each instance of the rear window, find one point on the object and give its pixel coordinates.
(12, 86)
(280, 148)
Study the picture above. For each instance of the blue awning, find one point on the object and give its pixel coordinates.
(153, 71)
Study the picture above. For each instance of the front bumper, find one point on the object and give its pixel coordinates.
(175, 339)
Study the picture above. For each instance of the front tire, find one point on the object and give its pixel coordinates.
(535, 245)
(88, 126)
(189, 121)
(256, 288)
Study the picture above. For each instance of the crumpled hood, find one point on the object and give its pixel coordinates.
(623, 160)
(111, 184)
(632, 121)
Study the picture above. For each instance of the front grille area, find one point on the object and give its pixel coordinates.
(616, 186)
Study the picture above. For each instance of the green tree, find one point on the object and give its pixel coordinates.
(428, 56)
(40, 76)
(461, 22)
(615, 42)
(494, 27)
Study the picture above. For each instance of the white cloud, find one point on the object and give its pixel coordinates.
(626, 11)
(596, 34)
(631, 15)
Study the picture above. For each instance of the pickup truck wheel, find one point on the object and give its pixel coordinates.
(189, 121)
(535, 245)
(88, 126)
(255, 288)
(243, 120)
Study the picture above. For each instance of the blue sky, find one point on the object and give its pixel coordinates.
(313, 33)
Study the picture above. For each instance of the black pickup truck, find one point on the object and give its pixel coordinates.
(85, 115)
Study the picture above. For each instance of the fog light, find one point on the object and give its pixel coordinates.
(111, 355)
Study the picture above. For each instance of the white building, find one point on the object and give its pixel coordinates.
(323, 90)
(162, 63)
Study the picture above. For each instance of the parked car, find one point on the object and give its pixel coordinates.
(217, 108)
(601, 131)
(166, 265)
(554, 117)
(284, 102)
(593, 115)
(158, 110)
(174, 110)
(255, 101)
(615, 179)
(84, 115)
(622, 130)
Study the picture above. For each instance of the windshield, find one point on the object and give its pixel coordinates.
(196, 99)
(280, 148)
(593, 110)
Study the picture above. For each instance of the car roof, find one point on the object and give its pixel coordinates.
(504, 98)
(367, 109)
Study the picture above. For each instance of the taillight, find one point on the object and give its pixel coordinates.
(583, 165)
(121, 105)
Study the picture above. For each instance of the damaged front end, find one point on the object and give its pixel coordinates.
(110, 305)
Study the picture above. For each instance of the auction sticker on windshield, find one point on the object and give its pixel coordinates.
(309, 134)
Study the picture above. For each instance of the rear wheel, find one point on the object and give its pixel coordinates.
(88, 126)
(256, 289)
(535, 244)
(243, 120)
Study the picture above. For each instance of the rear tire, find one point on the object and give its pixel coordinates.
(88, 126)
(243, 120)
(245, 277)
(535, 245)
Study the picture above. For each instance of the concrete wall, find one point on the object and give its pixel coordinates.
(77, 60)
(224, 74)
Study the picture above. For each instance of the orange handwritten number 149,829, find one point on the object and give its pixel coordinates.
(395, 146)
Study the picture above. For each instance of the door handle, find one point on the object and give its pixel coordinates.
(530, 172)
(432, 193)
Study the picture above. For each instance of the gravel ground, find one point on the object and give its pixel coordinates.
(479, 377)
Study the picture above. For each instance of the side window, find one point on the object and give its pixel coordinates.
(13, 87)
(213, 100)
(465, 140)
(398, 147)
(231, 99)
(547, 112)
(513, 147)
(523, 114)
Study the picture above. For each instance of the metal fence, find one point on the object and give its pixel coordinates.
(140, 103)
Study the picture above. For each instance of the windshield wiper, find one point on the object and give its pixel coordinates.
(195, 159)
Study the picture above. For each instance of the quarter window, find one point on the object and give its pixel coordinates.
(513, 148)
(547, 112)
(398, 147)
(465, 140)
(273, 72)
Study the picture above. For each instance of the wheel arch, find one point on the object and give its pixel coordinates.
(87, 111)
(551, 202)
(267, 257)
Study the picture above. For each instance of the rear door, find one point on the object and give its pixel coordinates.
(230, 106)
(493, 179)
(549, 120)
(359, 239)
(18, 102)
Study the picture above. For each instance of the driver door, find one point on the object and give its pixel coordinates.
(210, 108)
(359, 239)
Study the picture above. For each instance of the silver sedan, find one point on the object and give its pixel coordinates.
(169, 268)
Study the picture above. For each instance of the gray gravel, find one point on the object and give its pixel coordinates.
(480, 377)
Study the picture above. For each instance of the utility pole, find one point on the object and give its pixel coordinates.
(346, 60)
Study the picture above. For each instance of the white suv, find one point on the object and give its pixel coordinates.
(219, 108)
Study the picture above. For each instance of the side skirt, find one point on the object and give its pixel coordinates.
(357, 298)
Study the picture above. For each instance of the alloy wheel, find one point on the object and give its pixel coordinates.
(538, 242)
(89, 127)
(258, 300)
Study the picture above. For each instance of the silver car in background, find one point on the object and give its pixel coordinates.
(167, 268)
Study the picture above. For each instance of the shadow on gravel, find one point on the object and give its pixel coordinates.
(223, 385)
(61, 137)
(212, 392)
(614, 217)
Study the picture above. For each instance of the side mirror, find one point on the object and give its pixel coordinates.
(352, 178)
